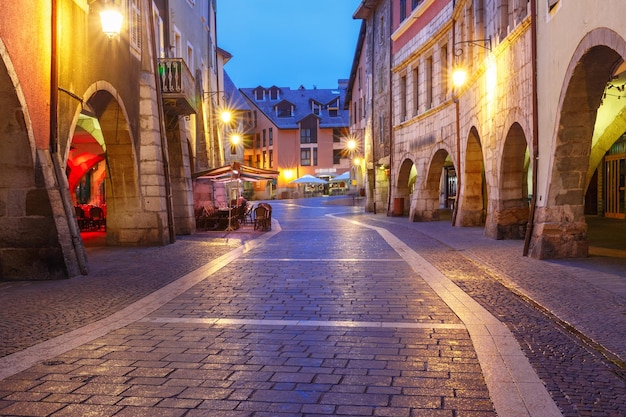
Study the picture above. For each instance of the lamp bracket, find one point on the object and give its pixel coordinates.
(483, 43)
(208, 94)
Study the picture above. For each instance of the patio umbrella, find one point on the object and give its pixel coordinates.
(342, 177)
(308, 179)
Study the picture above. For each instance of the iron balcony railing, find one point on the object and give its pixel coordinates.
(178, 86)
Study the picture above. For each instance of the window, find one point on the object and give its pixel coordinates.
(259, 94)
(336, 156)
(271, 158)
(177, 43)
(316, 108)
(339, 133)
(274, 93)
(233, 149)
(315, 156)
(264, 159)
(258, 140)
(190, 57)
(271, 136)
(305, 157)
(402, 10)
(552, 4)
(264, 138)
(333, 108)
(134, 25)
(414, 4)
(444, 72)
(305, 135)
(429, 83)
(403, 98)
(416, 91)
(284, 109)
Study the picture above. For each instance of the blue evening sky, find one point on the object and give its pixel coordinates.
(288, 43)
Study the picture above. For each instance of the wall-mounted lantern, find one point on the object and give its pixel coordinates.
(111, 19)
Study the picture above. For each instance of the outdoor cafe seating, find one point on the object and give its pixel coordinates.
(263, 217)
(90, 218)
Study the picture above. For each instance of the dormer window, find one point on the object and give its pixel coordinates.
(259, 94)
(284, 109)
(316, 108)
(333, 108)
(274, 93)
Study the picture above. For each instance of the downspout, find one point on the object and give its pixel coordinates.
(389, 180)
(162, 131)
(79, 249)
(372, 111)
(535, 157)
(458, 139)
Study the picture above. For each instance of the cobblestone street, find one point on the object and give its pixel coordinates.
(332, 312)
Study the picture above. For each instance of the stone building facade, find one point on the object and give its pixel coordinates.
(69, 90)
(369, 101)
(525, 146)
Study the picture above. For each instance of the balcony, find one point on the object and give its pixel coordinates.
(178, 87)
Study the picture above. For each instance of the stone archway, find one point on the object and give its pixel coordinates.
(509, 217)
(35, 240)
(404, 185)
(473, 197)
(560, 228)
(428, 196)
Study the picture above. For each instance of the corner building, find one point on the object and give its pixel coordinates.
(91, 120)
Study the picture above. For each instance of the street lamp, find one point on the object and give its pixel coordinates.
(111, 20)
(459, 77)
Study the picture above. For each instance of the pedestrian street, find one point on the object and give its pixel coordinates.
(322, 315)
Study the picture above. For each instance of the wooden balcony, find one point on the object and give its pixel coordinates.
(178, 86)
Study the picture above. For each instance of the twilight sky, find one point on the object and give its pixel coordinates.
(288, 43)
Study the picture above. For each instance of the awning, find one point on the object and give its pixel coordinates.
(237, 171)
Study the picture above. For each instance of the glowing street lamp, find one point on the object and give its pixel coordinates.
(235, 139)
(459, 76)
(226, 116)
(111, 20)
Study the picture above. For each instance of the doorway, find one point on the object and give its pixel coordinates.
(614, 183)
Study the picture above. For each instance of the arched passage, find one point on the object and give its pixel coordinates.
(121, 199)
(437, 190)
(509, 217)
(472, 208)
(561, 229)
(34, 236)
(404, 188)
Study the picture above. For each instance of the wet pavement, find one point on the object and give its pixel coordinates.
(332, 312)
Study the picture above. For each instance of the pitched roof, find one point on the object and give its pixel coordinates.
(234, 97)
(301, 99)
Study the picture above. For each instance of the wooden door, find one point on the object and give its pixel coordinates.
(614, 185)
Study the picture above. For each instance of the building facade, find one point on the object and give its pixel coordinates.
(529, 143)
(94, 119)
(297, 132)
(369, 101)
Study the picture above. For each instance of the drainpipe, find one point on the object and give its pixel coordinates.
(162, 131)
(79, 249)
(535, 155)
(389, 180)
(372, 110)
(457, 115)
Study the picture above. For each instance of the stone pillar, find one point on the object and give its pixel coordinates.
(507, 223)
(559, 232)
